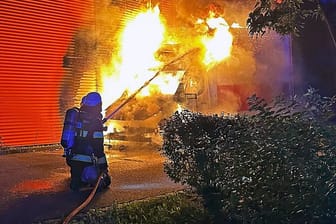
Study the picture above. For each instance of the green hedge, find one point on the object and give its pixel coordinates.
(274, 164)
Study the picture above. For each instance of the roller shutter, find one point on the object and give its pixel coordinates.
(48, 60)
(34, 38)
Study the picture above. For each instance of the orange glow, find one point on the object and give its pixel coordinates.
(167, 83)
(114, 127)
(141, 40)
(135, 63)
(237, 25)
(33, 186)
(179, 108)
(30, 30)
(218, 45)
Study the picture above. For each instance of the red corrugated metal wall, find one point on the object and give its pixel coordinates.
(34, 37)
(46, 64)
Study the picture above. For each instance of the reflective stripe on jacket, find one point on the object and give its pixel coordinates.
(88, 159)
(96, 134)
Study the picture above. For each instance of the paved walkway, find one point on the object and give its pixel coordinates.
(34, 185)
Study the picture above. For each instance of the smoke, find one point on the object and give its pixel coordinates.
(260, 66)
(108, 18)
(232, 10)
(274, 65)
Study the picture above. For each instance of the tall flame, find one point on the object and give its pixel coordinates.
(136, 62)
(218, 45)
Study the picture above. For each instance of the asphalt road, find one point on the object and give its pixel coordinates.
(35, 185)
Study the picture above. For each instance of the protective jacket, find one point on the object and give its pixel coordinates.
(87, 157)
(89, 140)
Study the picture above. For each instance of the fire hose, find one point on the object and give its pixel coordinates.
(93, 192)
(85, 203)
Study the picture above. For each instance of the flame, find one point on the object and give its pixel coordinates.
(111, 127)
(167, 82)
(218, 45)
(179, 108)
(135, 62)
(237, 25)
(114, 127)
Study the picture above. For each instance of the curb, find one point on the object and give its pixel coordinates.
(32, 148)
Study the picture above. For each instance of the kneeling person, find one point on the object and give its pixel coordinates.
(86, 156)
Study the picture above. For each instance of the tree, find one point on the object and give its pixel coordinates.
(282, 16)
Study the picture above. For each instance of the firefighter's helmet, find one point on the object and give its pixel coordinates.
(92, 99)
(82, 101)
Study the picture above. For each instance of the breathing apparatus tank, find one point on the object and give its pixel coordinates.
(69, 130)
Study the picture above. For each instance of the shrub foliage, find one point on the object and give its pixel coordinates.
(273, 164)
(284, 17)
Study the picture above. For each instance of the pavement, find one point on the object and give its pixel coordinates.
(35, 185)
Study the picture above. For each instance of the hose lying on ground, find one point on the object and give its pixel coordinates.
(86, 202)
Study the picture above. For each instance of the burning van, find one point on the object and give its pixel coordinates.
(205, 63)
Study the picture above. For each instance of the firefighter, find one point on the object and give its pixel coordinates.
(87, 158)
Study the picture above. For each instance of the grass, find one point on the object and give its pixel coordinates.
(178, 207)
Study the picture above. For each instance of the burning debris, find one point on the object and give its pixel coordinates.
(216, 78)
(144, 117)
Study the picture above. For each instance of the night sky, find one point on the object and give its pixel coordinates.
(314, 54)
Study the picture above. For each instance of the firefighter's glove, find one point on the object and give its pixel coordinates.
(68, 160)
(68, 155)
(68, 152)
(105, 181)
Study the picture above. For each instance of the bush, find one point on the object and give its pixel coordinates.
(275, 164)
